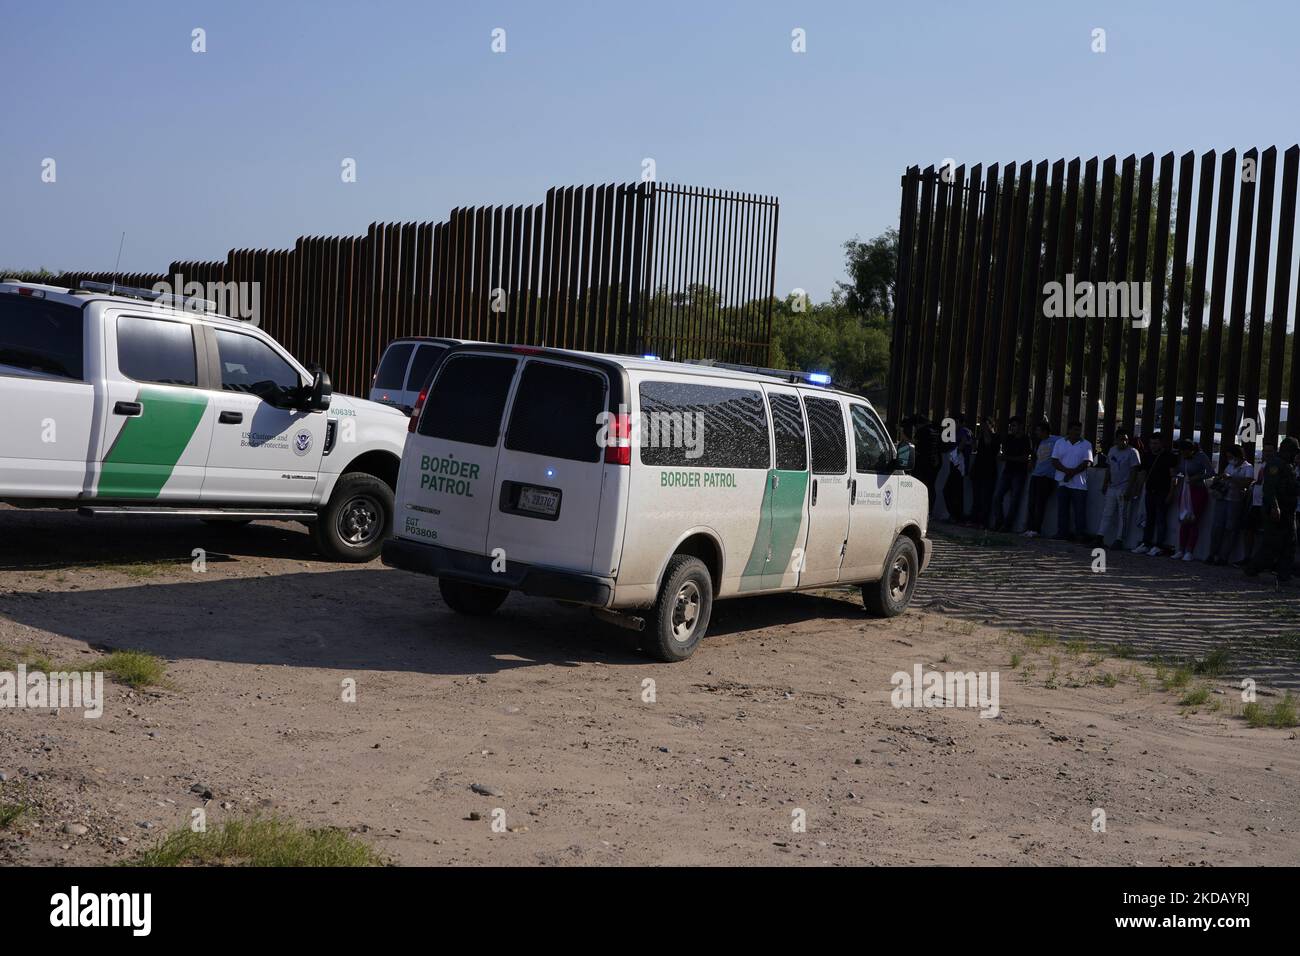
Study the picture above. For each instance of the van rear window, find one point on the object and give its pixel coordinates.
(41, 336)
(556, 412)
(392, 368)
(685, 425)
(468, 399)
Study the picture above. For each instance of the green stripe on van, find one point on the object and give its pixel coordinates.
(778, 529)
(148, 447)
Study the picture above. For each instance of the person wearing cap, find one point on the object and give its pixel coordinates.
(1279, 491)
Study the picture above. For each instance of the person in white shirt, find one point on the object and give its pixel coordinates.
(1071, 458)
(1123, 461)
(1229, 489)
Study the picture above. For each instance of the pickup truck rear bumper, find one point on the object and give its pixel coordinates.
(477, 569)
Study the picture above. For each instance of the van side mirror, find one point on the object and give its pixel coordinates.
(320, 392)
(905, 458)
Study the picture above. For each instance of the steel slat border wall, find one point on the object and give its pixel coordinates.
(971, 333)
(615, 267)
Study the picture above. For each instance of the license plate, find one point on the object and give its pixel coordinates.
(539, 500)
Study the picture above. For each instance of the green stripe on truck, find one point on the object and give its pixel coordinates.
(148, 447)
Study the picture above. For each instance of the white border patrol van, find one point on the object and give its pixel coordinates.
(648, 489)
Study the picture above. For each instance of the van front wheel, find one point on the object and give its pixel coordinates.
(465, 597)
(891, 595)
(681, 614)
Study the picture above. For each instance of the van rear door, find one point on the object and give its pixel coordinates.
(445, 489)
(549, 479)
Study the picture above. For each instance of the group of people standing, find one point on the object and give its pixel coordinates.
(1254, 506)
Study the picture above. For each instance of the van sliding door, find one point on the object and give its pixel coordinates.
(779, 546)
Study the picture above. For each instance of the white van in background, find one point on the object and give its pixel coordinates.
(404, 368)
(647, 489)
(1258, 419)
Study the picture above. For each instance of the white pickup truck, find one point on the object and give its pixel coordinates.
(143, 404)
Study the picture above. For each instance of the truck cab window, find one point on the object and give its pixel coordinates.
(157, 352)
(248, 365)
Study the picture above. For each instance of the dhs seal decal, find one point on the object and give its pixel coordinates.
(302, 442)
(889, 498)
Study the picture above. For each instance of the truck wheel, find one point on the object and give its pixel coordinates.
(891, 595)
(476, 600)
(353, 524)
(676, 624)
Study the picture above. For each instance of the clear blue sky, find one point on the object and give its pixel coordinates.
(193, 154)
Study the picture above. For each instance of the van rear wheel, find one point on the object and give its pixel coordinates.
(476, 600)
(680, 616)
(891, 595)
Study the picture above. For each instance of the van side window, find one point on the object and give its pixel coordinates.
(830, 452)
(556, 412)
(871, 446)
(392, 368)
(468, 399)
(684, 425)
(422, 366)
(791, 445)
(150, 350)
(41, 336)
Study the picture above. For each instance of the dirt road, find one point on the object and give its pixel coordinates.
(786, 708)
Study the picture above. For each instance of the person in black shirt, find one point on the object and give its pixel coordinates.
(1280, 491)
(1159, 465)
(1015, 454)
(984, 471)
(929, 452)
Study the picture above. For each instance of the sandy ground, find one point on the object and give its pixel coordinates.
(786, 708)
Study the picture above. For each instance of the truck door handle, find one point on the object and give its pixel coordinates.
(230, 418)
(814, 493)
(853, 491)
(131, 409)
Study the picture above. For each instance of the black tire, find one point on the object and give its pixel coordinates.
(476, 600)
(679, 618)
(891, 595)
(355, 521)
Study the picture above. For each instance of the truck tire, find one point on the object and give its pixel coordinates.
(679, 618)
(891, 595)
(354, 522)
(475, 600)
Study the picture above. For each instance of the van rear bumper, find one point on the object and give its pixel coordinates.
(477, 569)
